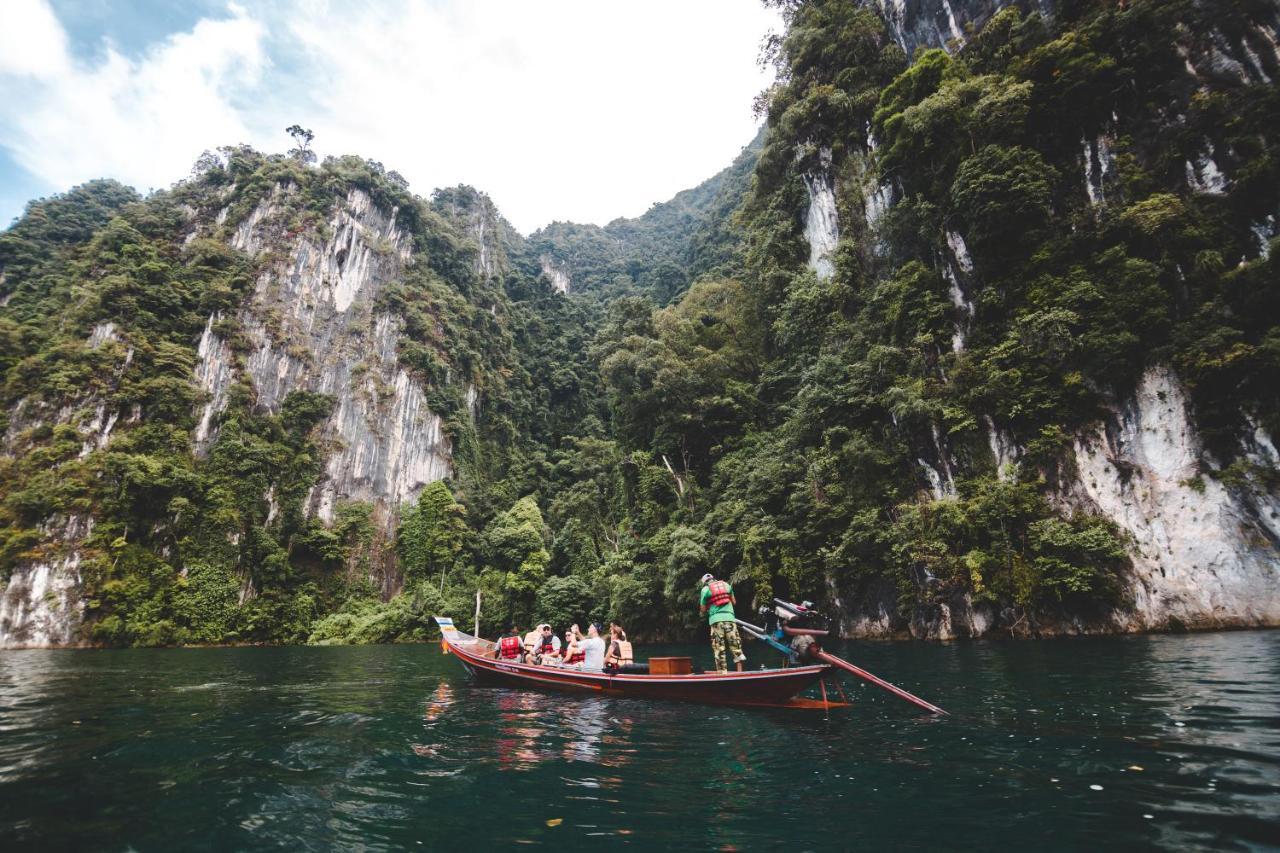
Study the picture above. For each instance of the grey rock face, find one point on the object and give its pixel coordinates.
(555, 273)
(1205, 555)
(1204, 175)
(1099, 169)
(822, 224)
(944, 23)
(312, 326)
(41, 604)
(487, 228)
(878, 195)
(214, 375)
(957, 268)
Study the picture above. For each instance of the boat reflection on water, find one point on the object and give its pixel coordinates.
(440, 701)
(618, 742)
(520, 728)
(584, 727)
(535, 728)
(532, 728)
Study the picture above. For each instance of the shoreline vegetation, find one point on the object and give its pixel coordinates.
(399, 641)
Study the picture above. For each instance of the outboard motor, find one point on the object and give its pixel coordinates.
(789, 623)
(797, 630)
(802, 615)
(807, 626)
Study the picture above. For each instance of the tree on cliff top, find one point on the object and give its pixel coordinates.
(302, 137)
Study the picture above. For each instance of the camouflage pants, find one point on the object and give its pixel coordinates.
(725, 635)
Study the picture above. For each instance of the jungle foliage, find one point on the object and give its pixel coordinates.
(783, 429)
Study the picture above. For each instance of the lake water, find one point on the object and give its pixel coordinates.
(1135, 742)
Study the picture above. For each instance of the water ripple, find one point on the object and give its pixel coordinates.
(1144, 742)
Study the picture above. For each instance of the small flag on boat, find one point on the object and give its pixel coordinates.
(447, 632)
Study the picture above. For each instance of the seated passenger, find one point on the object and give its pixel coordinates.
(619, 653)
(508, 647)
(592, 648)
(572, 652)
(530, 643)
(547, 647)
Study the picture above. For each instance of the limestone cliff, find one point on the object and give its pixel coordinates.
(1205, 552)
(313, 324)
(318, 317)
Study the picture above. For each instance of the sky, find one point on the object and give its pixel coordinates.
(578, 110)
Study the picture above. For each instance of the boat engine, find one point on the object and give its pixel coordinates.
(795, 625)
(798, 630)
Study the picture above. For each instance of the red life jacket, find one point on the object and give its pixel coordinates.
(509, 647)
(720, 593)
(547, 645)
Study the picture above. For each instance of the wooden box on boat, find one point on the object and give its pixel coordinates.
(670, 666)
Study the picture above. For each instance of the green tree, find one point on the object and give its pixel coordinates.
(515, 544)
(302, 138)
(1003, 196)
(564, 601)
(432, 534)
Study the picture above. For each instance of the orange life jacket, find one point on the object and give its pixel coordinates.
(509, 648)
(720, 593)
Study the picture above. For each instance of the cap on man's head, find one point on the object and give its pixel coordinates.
(706, 579)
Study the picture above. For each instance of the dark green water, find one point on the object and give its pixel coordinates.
(392, 748)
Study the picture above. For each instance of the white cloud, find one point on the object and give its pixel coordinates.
(31, 39)
(574, 109)
(142, 121)
(568, 110)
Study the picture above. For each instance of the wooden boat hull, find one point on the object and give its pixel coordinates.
(763, 688)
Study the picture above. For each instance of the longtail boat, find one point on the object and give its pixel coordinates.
(764, 688)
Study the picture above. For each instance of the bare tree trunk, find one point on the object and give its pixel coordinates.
(675, 476)
(476, 631)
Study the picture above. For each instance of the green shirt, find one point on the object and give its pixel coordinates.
(719, 612)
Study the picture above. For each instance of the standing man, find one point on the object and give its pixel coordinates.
(717, 597)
